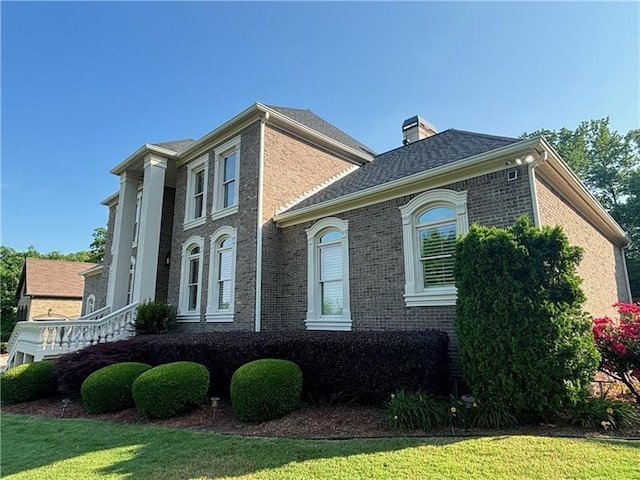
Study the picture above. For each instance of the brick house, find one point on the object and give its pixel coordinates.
(51, 289)
(278, 220)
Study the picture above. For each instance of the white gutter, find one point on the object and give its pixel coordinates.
(111, 199)
(258, 307)
(147, 147)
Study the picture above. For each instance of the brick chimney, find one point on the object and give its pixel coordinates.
(416, 128)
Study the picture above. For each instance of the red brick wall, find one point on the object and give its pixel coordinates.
(601, 269)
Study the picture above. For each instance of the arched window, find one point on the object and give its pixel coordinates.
(90, 305)
(328, 306)
(191, 280)
(222, 272)
(431, 223)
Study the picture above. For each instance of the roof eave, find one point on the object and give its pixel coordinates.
(563, 178)
(135, 156)
(409, 184)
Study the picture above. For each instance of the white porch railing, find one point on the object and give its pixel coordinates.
(33, 341)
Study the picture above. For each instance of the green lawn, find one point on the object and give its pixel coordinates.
(34, 448)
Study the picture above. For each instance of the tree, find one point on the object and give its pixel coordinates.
(97, 246)
(525, 342)
(609, 165)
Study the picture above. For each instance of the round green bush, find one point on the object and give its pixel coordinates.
(265, 389)
(109, 389)
(171, 389)
(27, 382)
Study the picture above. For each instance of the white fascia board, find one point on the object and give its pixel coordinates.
(277, 118)
(111, 199)
(138, 154)
(227, 129)
(470, 167)
(258, 110)
(556, 171)
(95, 270)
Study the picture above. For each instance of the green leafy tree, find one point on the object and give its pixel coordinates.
(525, 342)
(609, 165)
(98, 244)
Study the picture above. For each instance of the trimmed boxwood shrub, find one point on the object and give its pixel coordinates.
(28, 381)
(109, 389)
(265, 389)
(73, 368)
(169, 390)
(336, 366)
(525, 342)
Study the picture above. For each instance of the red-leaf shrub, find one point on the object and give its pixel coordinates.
(73, 368)
(618, 342)
(368, 366)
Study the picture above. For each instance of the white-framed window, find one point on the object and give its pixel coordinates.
(328, 306)
(222, 275)
(131, 280)
(196, 201)
(226, 172)
(136, 219)
(431, 223)
(90, 304)
(191, 280)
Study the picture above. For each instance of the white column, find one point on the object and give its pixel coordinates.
(122, 240)
(144, 286)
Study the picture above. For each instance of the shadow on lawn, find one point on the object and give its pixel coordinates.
(156, 452)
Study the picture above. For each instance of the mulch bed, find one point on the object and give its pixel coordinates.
(333, 422)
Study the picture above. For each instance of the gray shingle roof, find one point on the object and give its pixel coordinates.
(175, 145)
(446, 147)
(311, 120)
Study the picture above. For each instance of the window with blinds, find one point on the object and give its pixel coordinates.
(436, 229)
(224, 274)
(194, 279)
(331, 275)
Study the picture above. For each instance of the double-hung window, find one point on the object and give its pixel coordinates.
(432, 222)
(191, 280)
(196, 201)
(328, 305)
(220, 304)
(226, 171)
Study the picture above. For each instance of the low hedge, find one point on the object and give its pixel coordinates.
(109, 389)
(169, 390)
(27, 382)
(367, 366)
(72, 369)
(265, 389)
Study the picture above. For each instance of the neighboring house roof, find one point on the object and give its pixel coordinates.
(446, 147)
(313, 121)
(53, 278)
(175, 145)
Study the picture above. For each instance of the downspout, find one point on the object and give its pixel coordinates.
(625, 272)
(258, 306)
(532, 187)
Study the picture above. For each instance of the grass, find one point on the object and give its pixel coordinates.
(39, 448)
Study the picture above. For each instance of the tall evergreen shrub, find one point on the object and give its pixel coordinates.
(525, 342)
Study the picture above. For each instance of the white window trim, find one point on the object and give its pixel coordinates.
(184, 315)
(200, 164)
(220, 153)
(315, 320)
(212, 313)
(136, 225)
(414, 293)
(90, 299)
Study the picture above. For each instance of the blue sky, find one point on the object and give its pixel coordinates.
(86, 84)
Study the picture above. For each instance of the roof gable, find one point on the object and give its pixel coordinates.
(54, 278)
(441, 149)
(313, 121)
